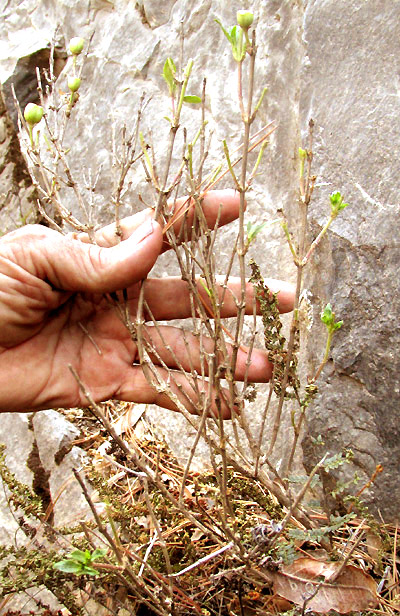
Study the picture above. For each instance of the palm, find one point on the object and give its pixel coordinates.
(85, 332)
(56, 312)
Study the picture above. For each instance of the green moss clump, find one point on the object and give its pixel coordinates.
(21, 496)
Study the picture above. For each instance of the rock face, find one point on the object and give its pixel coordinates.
(350, 88)
(333, 62)
(17, 195)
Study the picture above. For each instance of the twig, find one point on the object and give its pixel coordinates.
(349, 553)
(205, 559)
(147, 553)
(96, 516)
(95, 409)
(299, 498)
(85, 330)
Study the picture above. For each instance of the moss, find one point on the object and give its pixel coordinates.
(249, 489)
(21, 496)
(26, 568)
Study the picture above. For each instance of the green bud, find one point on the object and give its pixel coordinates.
(76, 45)
(328, 317)
(33, 114)
(74, 83)
(302, 154)
(244, 19)
(337, 204)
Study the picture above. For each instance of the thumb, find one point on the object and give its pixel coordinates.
(71, 265)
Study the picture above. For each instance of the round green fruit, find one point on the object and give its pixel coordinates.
(76, 45)
(74, 83)
(244, 19)
(33, 113)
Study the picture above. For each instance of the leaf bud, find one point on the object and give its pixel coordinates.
(245, 19)
(76, 45)
(74, 83)
(33, 114)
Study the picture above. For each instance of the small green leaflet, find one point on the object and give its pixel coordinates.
(337, 204)
(328, 317)
(253, 229)
(229, 35)
(169, 72)
(192, 99)
(235, 39)
(79, 562)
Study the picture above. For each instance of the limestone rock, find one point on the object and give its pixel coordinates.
(17, 195)
(350, 89)
(17, 438)
(58, 456)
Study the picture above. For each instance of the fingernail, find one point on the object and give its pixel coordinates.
(143, 231)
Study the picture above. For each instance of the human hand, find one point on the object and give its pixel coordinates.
(54, 312)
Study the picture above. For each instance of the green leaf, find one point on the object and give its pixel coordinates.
(169, 72)
(89, 571)
(301, 479)
(78, 555)
(253, 229)
(239, 46)
(335, 198)
(327, 315)
(69, 566)
(302, 154)
(98, 553)
(337, 204)
(233, 35)
(338, 460)
(192, 99)
(227, 34)
(207, 290)
(303, 158)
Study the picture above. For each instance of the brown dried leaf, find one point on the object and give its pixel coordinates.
(353, 590)
(197, 535)
(374, 544)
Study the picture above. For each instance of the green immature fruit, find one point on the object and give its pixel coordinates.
(74, 83)
(76, 45)
(33, 114)
(244, 19)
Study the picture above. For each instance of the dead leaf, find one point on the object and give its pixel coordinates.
(197, 535)
(128, 421)
(353, 590)
(374, 544)
(143, 520)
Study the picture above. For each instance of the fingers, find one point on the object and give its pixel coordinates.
(111, 269)
(217, 205)
(136, 388)
(176, 301)
(220, 206)
(181, 350)
(69, 265)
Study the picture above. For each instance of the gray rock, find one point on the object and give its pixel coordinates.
(350, 89)
(17, 195)
(16, 435)
(58, 456)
